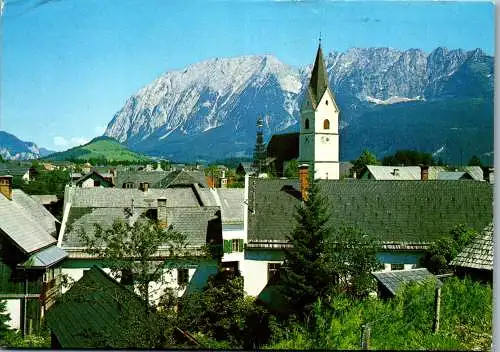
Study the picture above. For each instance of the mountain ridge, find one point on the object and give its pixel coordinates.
(216, 102)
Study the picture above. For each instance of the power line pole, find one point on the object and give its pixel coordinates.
(437, 306)
(365, 336)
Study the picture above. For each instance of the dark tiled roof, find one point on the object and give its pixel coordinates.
(284, 146)
(25, 223)
(161, 179)
(154, 178)
(395, 211)
(392, 280)
(12, 169)
(479, 254)
(182, 178)
(97, 307)
(104, 205)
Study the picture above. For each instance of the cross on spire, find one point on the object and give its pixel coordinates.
(319, 39)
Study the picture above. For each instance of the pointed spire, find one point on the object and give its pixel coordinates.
(319, 77)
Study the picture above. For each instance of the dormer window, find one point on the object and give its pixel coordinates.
(326, 124)
(306, 124)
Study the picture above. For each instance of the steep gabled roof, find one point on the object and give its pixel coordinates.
(98, 312)
(400, 212)
(478, 254)
(319, 79)
(25, 223)
(103, 205)
(95, 176)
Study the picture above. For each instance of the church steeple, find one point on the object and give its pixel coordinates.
(319, 78)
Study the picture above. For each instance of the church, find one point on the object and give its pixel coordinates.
(319, 125)
(317, 143)
(406, 216)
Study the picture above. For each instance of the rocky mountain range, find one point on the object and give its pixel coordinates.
(209, 110)
(12, 148)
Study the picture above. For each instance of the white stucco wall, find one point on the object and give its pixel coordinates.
(323, 148)
(254, 273)
(169, 280)
(88, 183)
(14, 310)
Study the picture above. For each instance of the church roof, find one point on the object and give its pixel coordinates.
(319, 78)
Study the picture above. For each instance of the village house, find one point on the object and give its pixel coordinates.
(160, 179)
(192, 211)
(16, 169)
(403, 215)
(95, 179)
(98, 312)
(476, 260)
(29, 258)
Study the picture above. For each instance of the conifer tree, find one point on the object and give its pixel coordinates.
(259, 153)
(325, 261)
(306, 272)
(4, 319)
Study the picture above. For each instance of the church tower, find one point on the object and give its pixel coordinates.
(319, 125)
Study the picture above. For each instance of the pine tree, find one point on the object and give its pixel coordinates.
(306, 272)
(259, 153)
(4, 319)
(325, 261)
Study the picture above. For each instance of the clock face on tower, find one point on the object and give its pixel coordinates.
(325, 139)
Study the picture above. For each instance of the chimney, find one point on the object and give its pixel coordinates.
(304, 180)
(144, 186)
(223, 180)
(162, 211)
(6, 186)
(424, 172)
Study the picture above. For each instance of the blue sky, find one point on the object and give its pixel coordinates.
(69, 65)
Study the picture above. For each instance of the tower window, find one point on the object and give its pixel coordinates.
(306, 124)
(326, 102)
(326, 124)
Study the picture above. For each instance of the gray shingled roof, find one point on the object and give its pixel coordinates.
(121, 197)
(38, 212)
(161, 179)
(395, 211)
(46, 258)
(393, 280)
(104, 205)
(387, 172)
(182, 178)
(24, 222)
(478, 254)
(231, 201)
(136, 177)
(453, 175)
(475, 172)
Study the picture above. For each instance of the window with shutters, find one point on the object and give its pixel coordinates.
(234, 245)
